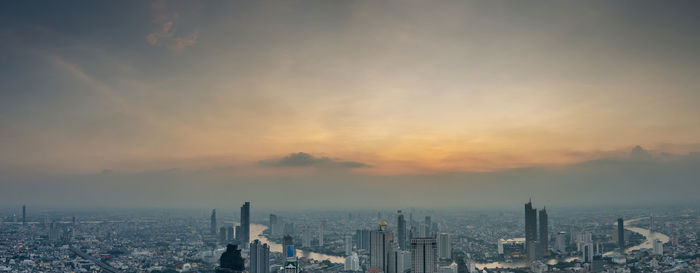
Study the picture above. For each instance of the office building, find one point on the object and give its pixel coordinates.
(658, 247)
(362, 238)
(212, 224)
(544, 234)
(321, 229)
(288, 249)
(401, 230)
(306, 237)
(530, 230)
(380, 244)
(259, 257)
(423, 255)
(245, 224)
(348, 245)
(444, 246)
(621, 234)
(352, 263)
(273, 224)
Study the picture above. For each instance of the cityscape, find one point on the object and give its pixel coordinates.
(399, 241)
(350, 136)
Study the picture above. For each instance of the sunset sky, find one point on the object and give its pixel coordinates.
(423, 96)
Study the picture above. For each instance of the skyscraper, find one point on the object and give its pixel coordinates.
(348, 245)
(212, 225)
(428, 225)
(24, 215)
(259, 257)
(379, 242)
(222, 235)
(321, 229)
(621, 234)
(306, 237)
(423, 255)
(288, 249)
(530, 230)
(362, 237)
(352, 263)
(544, 233)
(444, 246)
(401, 230)
(273, 224)
(245, 224)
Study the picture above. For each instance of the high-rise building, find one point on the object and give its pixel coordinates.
(544, 234)
(238, 233)
(444, 246)
(621, 234)
(273, 224)
(54, 232)
(362, 238)
(401, 230)
(229, 234)
(401, 261)
(423, 255)
(561, 242)
(222, 235)
(212, 224)
(428, 224)
(530, 230)
(380, 241)
(245, 224)
(306, 237)
(352, 263)
(587, 253)
(289, 229)
(288, 249)
(321, 229)
(24, 215)
(658, 247)
(259, 257)
(348, 244)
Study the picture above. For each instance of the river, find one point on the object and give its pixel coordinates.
(256, 233)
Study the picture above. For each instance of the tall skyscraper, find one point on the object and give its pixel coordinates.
(229, 234)
(348, 245)
(222, 235)
(212, 225)
(245, 224)
(288, 249)
(306, 237)
(259, 257)
(321, 229)
(352, 263)
(544, 233)
(428, 225)
(530, 230)
(24, 215)
(401, 230)
(379, 242)
(444, 246)
(273, 224)
(621, 234)
(362, 237)
(423, 255)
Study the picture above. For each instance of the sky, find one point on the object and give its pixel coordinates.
(349, 103)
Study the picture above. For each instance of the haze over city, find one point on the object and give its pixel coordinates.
(349, 103)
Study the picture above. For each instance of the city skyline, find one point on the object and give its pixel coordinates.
(425, 104)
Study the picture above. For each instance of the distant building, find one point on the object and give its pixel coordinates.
(530, 230)
(222, 235)
(321, 229)
(212, 224)
(423, 255)
(273, 224)
(587, 253)
(401, 230)
(544, 234)
(306, 237)
(658, 247)
(288, 247)
(229, 234)
(621, 234)
(428, 225)
(380, 241)
(401, 261)
(348, 245)
(362, 238)
(352, 263)
(560, 242)
(259, 257)
(24, 215)
(245, 224)
(444, 246)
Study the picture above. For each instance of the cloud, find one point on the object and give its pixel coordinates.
(306, 160)
(165, 33)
